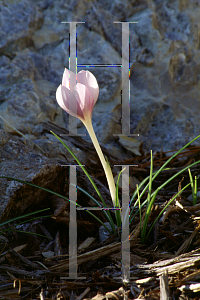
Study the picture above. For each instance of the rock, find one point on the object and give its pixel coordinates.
(103, 232)
(24, 158)
(164, 75)
(18, 161)
(44, 36)
(176, 66)
(15, 35)
(132, 181)
(130, 144)
(191, 197)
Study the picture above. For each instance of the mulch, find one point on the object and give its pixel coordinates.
(166, 266)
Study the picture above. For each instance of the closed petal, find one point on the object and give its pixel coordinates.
(69, 79)
(88, 79)
(85, 101)
(68, 102)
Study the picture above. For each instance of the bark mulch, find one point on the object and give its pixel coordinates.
(166, 266)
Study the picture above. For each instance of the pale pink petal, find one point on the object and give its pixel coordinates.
(89, 80)
(85, 100)
(81, 96)
(68, 78)
(64, 96)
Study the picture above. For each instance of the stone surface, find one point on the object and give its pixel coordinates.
(130, 144)
(25, 161)
(20, 162)
(103, 232)
(164, 74)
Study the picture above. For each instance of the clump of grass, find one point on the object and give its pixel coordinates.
(152, 196)
(149, 202)
(13, 227)
(194, 187)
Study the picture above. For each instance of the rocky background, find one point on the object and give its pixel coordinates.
(34, 50)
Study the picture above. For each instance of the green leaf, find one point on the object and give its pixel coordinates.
(87, 174)
(54, 193)
(156, 174)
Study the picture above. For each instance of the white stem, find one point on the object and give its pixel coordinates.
(106, 166)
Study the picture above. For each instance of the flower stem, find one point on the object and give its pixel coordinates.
(105, 165)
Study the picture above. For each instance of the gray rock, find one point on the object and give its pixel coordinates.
(164, 75)
(20, 162)
(103, 232)
(18, 22)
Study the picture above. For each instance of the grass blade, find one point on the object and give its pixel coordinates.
(147, 216)
(192, 184)
(195, 191)
(150, 181)
(54, 193)
(84, 170)
(139, 207)
(117, 205)
(170, 201)
(110, 220)
(158, 172)
(165, 183)
(24, 216)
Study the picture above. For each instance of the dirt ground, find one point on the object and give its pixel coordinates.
(34, 259)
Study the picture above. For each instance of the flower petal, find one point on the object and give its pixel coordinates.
(78, 99)
(68, 79)
(89, 80)
(85, 101)
(64, 97)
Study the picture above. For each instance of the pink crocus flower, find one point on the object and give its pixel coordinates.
(82, 97)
